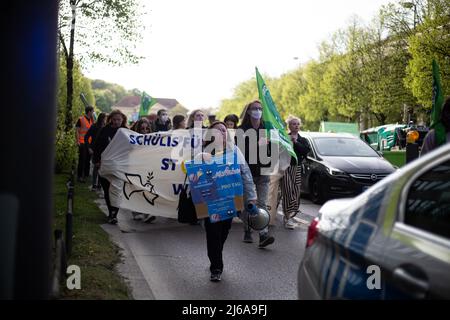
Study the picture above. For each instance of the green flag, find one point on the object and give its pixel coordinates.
(146, 103)
(271, 117)
(438, 100)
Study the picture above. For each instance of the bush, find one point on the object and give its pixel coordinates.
(66, 150)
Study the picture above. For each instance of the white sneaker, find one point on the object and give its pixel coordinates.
(289, 224)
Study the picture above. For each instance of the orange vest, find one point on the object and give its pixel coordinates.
(85, 125)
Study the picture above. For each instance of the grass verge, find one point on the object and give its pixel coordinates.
(92, 250)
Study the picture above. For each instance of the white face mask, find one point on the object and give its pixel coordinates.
(256, 114)
(164, 118)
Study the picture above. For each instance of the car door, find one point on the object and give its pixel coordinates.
(417, 254)
(306, 167)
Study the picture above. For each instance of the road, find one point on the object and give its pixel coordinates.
(167, 260)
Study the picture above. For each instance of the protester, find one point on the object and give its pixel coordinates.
(82, 126)
(252, 124)
(179, 122)
(90, 137)
(431, 142)
(231, 121)
(217, 232)
(142, 126)
(292, 178)
(116, 120)
(196, 116)
(162, 122)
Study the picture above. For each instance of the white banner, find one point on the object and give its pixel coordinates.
(145, 170)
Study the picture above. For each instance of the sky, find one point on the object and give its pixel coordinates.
(198, 51)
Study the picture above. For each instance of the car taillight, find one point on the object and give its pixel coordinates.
(312, 232)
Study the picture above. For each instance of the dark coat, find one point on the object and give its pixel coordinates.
(301, 148)
(255, 168)
(104, 137)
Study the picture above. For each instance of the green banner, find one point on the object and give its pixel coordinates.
(438, 100)
(271, 117)
(146, 103)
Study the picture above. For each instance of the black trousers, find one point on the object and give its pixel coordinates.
(216, 234)
(84, 161)
(105, 185)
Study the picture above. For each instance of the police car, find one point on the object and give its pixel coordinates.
(390, 242)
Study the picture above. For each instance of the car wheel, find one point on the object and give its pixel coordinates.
(316, 190)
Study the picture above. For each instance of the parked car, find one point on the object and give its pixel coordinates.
(340, 165)
(399, 227)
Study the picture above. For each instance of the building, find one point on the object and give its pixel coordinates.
(130, 106)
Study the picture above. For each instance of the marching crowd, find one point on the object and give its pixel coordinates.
(259, 188)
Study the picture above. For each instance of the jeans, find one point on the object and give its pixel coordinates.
(262, 190)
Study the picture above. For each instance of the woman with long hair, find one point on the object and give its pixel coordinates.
(252, 126)
(196, 116)
(116, 120)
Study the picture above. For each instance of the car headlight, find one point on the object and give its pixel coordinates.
(335, 172)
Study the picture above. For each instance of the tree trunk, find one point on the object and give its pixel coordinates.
(69, 73)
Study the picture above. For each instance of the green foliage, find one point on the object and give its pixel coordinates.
(92, 249)
(107, 94)
(368, 74)
(432, 41)
(106, 31)
(65, 143)
(244, 93)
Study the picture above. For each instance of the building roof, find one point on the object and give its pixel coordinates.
(129, 102)
(133, 101)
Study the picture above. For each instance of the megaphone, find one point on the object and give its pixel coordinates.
(258, 218)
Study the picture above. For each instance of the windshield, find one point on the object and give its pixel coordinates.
(343, 147)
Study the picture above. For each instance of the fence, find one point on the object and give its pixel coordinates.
(63, 248)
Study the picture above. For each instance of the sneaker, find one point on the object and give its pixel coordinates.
(216, 276)
(149, 218)
(289, 224)
(248, 237)
(265, 240)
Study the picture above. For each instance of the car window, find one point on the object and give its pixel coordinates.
(343, 147)
(428, 201)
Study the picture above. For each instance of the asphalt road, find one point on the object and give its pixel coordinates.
(166, 260)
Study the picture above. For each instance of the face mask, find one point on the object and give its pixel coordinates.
(164, 118)
(256, 114)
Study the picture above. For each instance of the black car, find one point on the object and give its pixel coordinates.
(340, 165)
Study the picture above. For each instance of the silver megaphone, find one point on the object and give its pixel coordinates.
(258, 218)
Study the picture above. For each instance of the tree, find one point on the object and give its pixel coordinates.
(432, 41)
(80, 22)
(65, 140)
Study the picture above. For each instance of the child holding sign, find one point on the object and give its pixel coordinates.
(217, 224)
